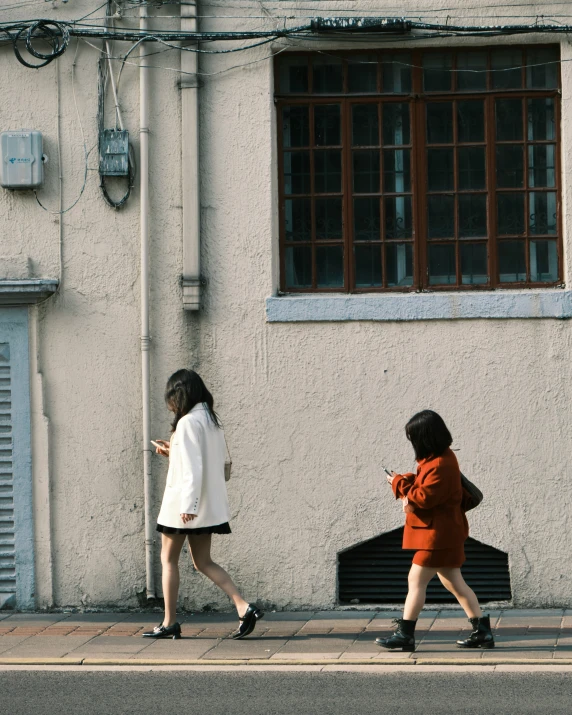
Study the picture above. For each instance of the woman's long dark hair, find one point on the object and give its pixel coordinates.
(428, 434)
(185, 389)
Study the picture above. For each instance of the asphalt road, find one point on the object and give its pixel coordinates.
(223, 693)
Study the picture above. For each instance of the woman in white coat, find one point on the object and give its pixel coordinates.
(195, 503)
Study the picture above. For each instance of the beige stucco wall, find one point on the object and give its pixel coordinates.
(311, 410)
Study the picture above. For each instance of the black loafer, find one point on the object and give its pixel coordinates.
(161, 631)
(248, 622)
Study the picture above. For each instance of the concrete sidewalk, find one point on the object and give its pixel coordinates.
(529, 636)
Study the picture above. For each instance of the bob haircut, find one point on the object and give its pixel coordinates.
(428, 434)
(185, 389)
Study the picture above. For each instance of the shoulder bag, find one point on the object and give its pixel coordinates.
(474, 494)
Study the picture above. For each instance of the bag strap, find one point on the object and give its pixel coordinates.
(227, 449)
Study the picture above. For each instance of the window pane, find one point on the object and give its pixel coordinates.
(293, 74)
(474, 269)
(543, 262)
(510, 214)
(510, 166)
(506, 69)
(441, 216)
(541, 167)
(297, 172)
(398, 221)
(368, 266)
(508, 119)
(512, 265)
(362, 73)
(327, 75)
(542, 210)
(298, 214)
(396, 124)
(365, 125)
(542, 68)
(471, 121)
(298, 267)
(396, 171)
(296, 126)
(396, 73)
(366, 171)
(442, 269)
(330, 266)
(440, 171)
(471, 71)
(366, 219)
(471, 167)
(327, 125)
(439, 123)
(329, 218)
(328, 171)
(437, 71)
(541, 124)
(399, 264)
(472, 215)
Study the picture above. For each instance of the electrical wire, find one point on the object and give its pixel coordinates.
(85, 151)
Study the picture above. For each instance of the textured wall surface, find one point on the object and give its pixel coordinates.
(311, 409)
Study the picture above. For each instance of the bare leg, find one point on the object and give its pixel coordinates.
(171, 545)
(201, 554)
(454, 582)
(419, 577)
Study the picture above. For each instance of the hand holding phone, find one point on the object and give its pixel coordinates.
(161, 448)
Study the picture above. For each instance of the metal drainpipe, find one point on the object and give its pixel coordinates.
(190, 166)
(145, 339)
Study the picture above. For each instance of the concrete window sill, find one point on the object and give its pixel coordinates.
(26, 291)
(553, 303)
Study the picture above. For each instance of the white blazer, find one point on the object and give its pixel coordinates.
(195, 481)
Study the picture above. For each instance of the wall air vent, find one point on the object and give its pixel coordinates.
(375, 571)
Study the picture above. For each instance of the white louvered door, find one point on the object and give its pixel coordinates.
(7, 535)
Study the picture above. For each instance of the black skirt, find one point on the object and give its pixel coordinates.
(217, 529)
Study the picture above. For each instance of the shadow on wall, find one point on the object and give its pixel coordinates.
(375, 571)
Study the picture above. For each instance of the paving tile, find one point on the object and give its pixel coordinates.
(35, 619)
(8, 642)
(344, 616)
(247, 648)
(306, 645)
(536, 613)
(184, 649)
(95, 619)
(304, 655)
(107, 644)
(296, 616)
(44, 647)
(4, 615)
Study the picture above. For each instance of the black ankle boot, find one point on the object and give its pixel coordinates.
(481, 637)
(404, 636)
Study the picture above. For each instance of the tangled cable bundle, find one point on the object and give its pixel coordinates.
(54, 33)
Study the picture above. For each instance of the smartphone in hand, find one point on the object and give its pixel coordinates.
(386, 470)
(157, 445)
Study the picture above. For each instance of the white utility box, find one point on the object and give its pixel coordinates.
(21, 159)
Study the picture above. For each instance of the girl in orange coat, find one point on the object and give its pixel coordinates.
(436, 528)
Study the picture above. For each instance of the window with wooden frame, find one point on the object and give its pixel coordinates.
(423, 170)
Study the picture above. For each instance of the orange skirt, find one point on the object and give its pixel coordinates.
(441, 558)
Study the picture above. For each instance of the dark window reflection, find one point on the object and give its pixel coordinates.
(362, 73)
(474, 270)
(437, 71)
(543, 261)
(439, 123)
(365, 125)
(328, 218)
(512, 262)
(396, 73)
(510, 214)
(399, 264)
(396, 129)
(472, 215)
(327, 75)
(367, 225)
(298, 215)
(442, 268)
(330, 266)
(293, 75)
(471, 121)
(328, 171)
(506, 68)
(327, 125)
(398, 220)
(298, 267)
(366, 171)
(368, 266)
(297, 172)
(441, 216)
(510, 166)
(471, 71)
(440, 171)
(508, 115)
(296, 126)
(471, 167)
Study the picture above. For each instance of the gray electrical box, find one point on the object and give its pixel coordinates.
(21, 159)
(114, 152)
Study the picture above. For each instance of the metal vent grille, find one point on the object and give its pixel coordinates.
(376, 572)
(7, 537)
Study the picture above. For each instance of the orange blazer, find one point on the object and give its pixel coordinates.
(435, 492)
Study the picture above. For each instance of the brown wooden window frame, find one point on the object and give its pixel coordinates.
(418, 99)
